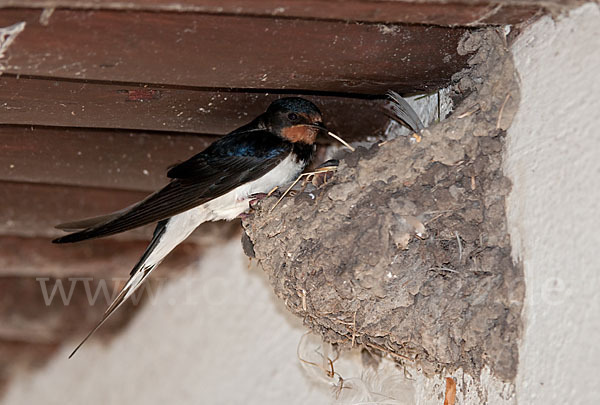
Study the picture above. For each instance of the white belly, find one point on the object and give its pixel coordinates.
(235, 202)
(227, 206)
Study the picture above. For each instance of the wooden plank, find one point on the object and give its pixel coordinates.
(202, 50)
(436, 12)
(94, 158)
(124, 160)
(104, 258)
(81, 104)
(512, 14)
(26, 315)
(32, 210)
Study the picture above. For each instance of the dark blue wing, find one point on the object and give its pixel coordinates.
(226, 164)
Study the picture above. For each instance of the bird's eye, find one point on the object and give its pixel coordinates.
(292, 116)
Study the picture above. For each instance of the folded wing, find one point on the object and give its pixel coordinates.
(206, 176)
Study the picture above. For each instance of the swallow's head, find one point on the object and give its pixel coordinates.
(294, 119)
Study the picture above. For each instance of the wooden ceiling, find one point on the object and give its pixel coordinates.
(431, 12)
(102, 95)
(108, 94)
(98, 98)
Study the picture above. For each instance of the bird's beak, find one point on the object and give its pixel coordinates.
(323, 128)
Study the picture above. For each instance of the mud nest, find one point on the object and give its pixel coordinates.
(406, 250)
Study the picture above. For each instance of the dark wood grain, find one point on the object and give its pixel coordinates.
(437, 12)
(26, 317)
(30, 257)
(33, 210)
(70, 103)
(206, 51)
(94, 158)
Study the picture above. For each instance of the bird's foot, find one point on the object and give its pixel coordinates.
(252, 202)
(255, 198)
(245, 215)
(324, 173)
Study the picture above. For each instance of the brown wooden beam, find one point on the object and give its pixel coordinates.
(28, 315)
(33, 210)
(205, 51)
(93, 158)
(68, 103)
(124, 160)
(32, 268)
(37, 257)
(436, 12)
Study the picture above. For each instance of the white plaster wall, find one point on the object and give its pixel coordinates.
(216, 335)
(553, 159)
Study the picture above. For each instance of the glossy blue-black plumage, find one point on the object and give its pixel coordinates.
(253, 145)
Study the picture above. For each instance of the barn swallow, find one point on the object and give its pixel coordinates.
(217, 183)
